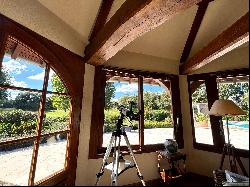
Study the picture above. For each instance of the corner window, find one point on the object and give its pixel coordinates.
(152, 95)
(236, 89)
(209, 132)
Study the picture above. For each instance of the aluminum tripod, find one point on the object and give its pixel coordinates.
(117, 157)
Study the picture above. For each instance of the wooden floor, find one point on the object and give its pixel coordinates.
(189, 180)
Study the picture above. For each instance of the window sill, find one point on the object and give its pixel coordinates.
(211, 148)
(136, 150)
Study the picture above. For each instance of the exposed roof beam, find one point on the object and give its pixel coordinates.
(194, 85)
(163, 84)
(18, 49)
(231, 38)
(3, 39)
(101, 17)
(202, 7)
(130, 21)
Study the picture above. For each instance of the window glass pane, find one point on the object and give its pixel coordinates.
(18, 114)
(120, 93)
(57, 113)
(22, 72)
(158, 123)
(236, 90)
(202, 126)
(55, 84)
(51, 155)
(15, 161)
(52, 149)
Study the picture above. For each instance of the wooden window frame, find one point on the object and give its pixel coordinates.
(38, 133)
(96, 131)
(72, 75)
(212, 95)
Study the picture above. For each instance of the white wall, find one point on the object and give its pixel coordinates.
(199, 161)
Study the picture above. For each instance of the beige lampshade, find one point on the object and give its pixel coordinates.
(225, 107)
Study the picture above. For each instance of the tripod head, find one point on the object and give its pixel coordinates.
(127, 113)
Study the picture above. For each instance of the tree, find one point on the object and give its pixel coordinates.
(27, 101)
(59, 101)
(109, 94)
(4, 79)
(200, 94)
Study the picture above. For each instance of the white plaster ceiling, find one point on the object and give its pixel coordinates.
(78, 14)
(220, 15)
(166, 41)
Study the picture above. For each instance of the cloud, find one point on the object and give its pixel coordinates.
(40, 76)
(14, 67)
(13, 94)
(18, 83)
(127, 88)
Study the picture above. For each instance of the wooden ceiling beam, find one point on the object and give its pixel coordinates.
(234, 36)
(131, 20)
(101, 17)
(202, 7)
(18, 49)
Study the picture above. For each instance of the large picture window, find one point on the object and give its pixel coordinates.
(209, 132)
(153, 96)
(34, 117)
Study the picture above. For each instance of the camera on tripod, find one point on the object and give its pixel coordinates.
(129, 113)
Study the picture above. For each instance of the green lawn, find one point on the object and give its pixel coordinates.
(56, 113)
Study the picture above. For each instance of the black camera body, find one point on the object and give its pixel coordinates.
(129, 112)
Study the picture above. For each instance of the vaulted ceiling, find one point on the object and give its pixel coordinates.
(167, 40)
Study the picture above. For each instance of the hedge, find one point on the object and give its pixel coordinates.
(17, 123)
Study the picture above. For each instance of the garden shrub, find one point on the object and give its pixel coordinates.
(200, 117)
(158, 124)
(156, 115)
(110, 120)
(153, 119)
(17, 123)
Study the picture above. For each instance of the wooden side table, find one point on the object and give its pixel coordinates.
(176, 168)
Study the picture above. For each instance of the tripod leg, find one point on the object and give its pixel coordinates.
(237, 158)
(241, 166)
(105, 158)
(133, 157)
(223, 156)
(116, 164)
(234, 166)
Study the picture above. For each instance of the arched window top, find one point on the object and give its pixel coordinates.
(24, 63)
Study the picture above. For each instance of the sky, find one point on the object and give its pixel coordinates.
(28, 75)
(24, 74)
(123, 88)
